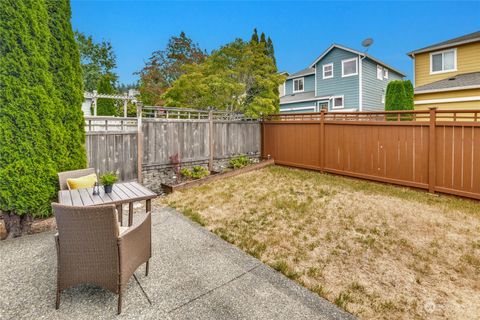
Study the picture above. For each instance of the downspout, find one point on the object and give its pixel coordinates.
(360, 82)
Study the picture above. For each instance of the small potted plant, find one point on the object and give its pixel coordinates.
(108, 179)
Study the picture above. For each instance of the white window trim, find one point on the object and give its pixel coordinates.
(293, 84)
(380, 68)
(352, 74)
(442, 52)
(385, 73)
(298, 108)
(323, 70)
(338, 107)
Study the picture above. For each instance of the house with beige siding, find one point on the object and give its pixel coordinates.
(447, 74)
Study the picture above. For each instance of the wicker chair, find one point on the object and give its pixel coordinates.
(92, 248)
(63, 176)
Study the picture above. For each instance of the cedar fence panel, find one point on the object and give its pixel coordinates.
(115, 152)
(434, 150)
(195, 136)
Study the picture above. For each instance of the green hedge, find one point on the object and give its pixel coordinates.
(41, 125)
(399, 95)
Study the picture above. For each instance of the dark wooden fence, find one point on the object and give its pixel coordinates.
(437, 150)
(193, 135)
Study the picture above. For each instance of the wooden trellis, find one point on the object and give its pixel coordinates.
(94, 96)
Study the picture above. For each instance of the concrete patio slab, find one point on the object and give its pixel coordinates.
(193, 275)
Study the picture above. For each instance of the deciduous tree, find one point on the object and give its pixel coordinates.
(166, 66)
(238, 77)
(97, 60)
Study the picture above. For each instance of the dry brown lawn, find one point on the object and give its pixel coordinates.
(378, 251)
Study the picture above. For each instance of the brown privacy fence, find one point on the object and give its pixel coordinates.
(193, 136)
(438, 150)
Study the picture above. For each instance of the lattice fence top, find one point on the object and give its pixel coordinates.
(193, 114)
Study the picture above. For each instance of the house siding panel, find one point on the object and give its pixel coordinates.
(467, 105)
(305, 104)
(468, 60)
(308, 84)
(347, 86)
(373, 88)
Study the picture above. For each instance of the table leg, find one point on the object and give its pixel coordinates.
(148, 205)
(130, 214)
(120, 214)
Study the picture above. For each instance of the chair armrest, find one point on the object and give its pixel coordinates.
(135, 247)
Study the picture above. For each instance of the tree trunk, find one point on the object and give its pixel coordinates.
(17, 226)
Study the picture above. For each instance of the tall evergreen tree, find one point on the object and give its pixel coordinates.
(254, 38)
(27, 172)
(271, 51)
(263, 39)
(106, 107)
(67, 78)
(409, 94)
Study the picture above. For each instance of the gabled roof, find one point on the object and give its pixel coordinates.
(471, 37)
(458, 82)
(355, 52)
(304, 72)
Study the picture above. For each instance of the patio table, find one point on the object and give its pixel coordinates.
(126, 192)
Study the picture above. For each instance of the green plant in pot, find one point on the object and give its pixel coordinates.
(108, 179)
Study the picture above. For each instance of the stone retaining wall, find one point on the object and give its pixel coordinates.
(154, 176)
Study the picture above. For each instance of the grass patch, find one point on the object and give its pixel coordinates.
(193, 215)
(376, 250)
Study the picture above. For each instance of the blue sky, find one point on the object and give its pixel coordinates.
(300, 30)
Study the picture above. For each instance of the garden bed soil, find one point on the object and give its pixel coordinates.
(169, 188)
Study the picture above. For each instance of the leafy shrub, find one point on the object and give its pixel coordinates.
(239, 162)
(108, 178)
(197, 172)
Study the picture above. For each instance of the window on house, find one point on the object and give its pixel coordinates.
(328, 71)
(349, 67)
(298, 85)
(443, 61)
(379, 73)
(337, 102)
(385, 73)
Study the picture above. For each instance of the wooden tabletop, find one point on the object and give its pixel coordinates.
(126, 192)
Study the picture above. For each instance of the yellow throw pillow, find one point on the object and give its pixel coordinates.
(82, 182)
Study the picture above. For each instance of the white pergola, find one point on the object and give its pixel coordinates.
(94, 96)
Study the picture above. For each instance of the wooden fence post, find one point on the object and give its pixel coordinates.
(139, 143)
(322, 140)
(432, 152)
(262, 139)
(211, 143)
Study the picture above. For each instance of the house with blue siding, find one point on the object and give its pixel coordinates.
(340, 79)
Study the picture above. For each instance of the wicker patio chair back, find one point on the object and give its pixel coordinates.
(87, 247)
(63, 176)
